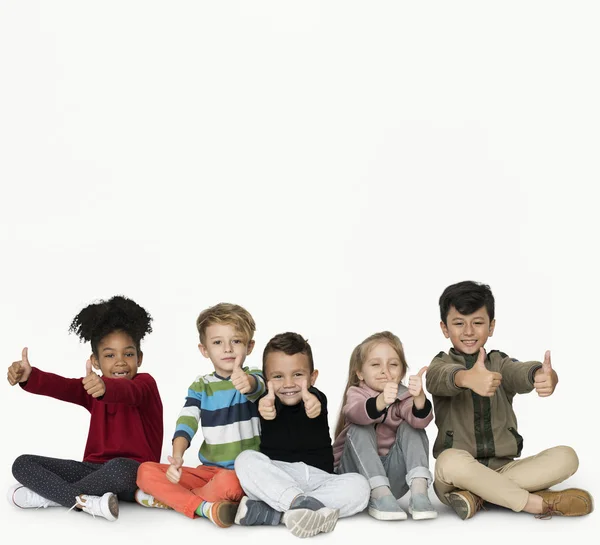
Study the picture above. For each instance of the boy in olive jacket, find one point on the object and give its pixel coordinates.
(477, 440)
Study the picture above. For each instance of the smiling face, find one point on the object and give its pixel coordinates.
(225, 345)
(287, 373)
(118, 356)
(468, 333)
(381, 365)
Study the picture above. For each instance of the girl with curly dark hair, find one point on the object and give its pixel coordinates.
(126, 424)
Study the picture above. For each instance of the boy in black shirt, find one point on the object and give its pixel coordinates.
(291, 479)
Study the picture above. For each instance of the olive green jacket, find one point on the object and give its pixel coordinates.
(486, 427)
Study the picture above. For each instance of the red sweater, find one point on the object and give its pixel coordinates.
(126, 422)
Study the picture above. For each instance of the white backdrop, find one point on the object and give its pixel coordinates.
(332, 167)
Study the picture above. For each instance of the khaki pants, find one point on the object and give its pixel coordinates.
(508, 485)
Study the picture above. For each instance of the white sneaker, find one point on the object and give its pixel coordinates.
(147, 500)
(20, 496)
(106, 506)
(308, 523)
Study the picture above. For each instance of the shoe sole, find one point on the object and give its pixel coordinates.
(110, 511)
(387, 515)
(307, 523)
(461, 506)
(223, 513)
(241, 511)
(422, 515)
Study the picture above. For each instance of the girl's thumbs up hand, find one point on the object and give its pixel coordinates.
(93, 383)
(312, 405)
(19, 371)
(415, 383)
(266, 404)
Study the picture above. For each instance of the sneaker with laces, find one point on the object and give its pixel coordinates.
(21, 496)
(571, 502)
(147, 500)
(256, 513)
(420, 507)
(464, 503)
(106, 506)
(386, 508)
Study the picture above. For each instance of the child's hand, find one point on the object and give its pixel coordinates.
(545, 379)
(312, 405)
(174, 471)
(390, 393)
(93, 384)
(266, 405)
(415, 383)
(20, 370)
(481, 381)
(239, 379)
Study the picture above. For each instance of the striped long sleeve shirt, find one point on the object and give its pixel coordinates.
(229, 419)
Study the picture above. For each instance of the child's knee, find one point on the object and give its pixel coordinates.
(246, 459)
(566, 460)
(228, 482)
(451, 463)
(145, 473)
(21, 465)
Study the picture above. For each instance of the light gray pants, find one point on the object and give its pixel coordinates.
(278, 483)
(407, 459)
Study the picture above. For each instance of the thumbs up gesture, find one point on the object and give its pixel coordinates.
(415, 388)
(20, 370)
(389, 394)
(545, 379)
(266, 405)
(93, 384)
(239, 379)
(174, 470)
(312, 405)
(481, 381)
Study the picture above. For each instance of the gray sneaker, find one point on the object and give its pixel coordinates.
(307, 523)
(386, 508)
(256, 513)
(421, 508)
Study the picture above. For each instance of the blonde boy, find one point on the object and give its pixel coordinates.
(224, 402)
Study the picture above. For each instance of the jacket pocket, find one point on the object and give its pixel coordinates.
(448, 439)
(518, 439)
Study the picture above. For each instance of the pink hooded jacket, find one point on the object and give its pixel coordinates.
(355, 412)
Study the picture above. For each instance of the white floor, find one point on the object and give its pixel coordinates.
(496, 525)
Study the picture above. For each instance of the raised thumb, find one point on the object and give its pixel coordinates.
(547, 365)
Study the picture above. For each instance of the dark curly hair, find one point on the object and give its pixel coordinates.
(119, 313)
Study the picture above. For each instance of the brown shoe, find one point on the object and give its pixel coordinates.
(465, 503)
(572, 502)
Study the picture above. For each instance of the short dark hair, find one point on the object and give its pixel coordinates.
(467, 297)
(289, 343)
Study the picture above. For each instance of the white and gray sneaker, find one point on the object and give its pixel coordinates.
(308, 517)
(21, 496)
(308, 523)
(106, 506)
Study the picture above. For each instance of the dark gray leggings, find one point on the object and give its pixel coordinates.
(62, 480)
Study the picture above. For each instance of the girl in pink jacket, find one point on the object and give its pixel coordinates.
(380, 432)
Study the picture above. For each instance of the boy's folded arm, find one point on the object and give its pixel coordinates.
(70, 390)
(441, 378)
(517, 376)
(259, 384)
(129, 392)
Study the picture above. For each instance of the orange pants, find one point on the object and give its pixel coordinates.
(202, 483)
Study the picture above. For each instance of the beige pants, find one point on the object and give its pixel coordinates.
(508, 485)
